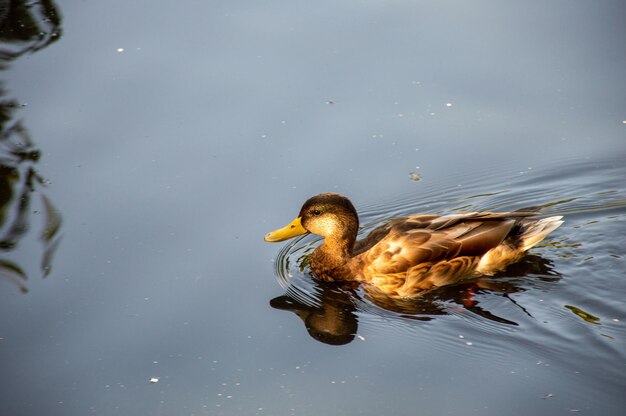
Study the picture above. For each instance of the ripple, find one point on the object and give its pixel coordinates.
(589, 193)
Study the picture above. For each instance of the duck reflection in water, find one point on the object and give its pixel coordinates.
(412, 265)
(331, 317)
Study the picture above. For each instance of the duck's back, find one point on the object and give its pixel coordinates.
(412, 254)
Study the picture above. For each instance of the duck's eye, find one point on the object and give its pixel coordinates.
(317, 212)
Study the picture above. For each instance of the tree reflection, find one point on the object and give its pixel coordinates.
(25, 27)
(332, 319)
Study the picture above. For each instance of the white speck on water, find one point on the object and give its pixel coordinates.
(361, 337)
(448, 104)
(615, 320)
(153, 380)
(263, 136)
(120, 49)
(461, 336)
(469, 343)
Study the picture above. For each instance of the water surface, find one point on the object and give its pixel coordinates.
(147, 147)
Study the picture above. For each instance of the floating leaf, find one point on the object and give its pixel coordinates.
(592, 319)
(415, 177)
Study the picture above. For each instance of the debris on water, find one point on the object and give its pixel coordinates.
(361, 337)
(415, 177)
(120, 49)
(154, 380)
(448, 104)
(548, 396)
(586, 316)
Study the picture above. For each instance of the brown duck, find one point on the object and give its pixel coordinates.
(409, 255)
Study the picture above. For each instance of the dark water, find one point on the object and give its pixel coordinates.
(147, 147)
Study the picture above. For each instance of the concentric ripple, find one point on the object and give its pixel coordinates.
(591, 196)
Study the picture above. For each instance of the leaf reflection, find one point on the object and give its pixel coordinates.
(25, 27)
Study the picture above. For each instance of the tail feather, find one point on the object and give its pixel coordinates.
(534, 232)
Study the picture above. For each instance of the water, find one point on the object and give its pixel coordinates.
(147, 148)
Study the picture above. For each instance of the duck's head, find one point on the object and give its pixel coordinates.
(328, 215)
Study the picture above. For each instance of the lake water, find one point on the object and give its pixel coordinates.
(147, 147)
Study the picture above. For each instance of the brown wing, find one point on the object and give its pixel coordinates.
(412, 223)
(430, 239)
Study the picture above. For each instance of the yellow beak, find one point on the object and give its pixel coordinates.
(291, 230)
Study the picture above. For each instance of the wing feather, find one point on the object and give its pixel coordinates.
(407, 242)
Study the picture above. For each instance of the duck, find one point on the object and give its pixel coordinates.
(407, 256)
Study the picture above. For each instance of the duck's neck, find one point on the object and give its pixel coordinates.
(337, 248)
(330, 260)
